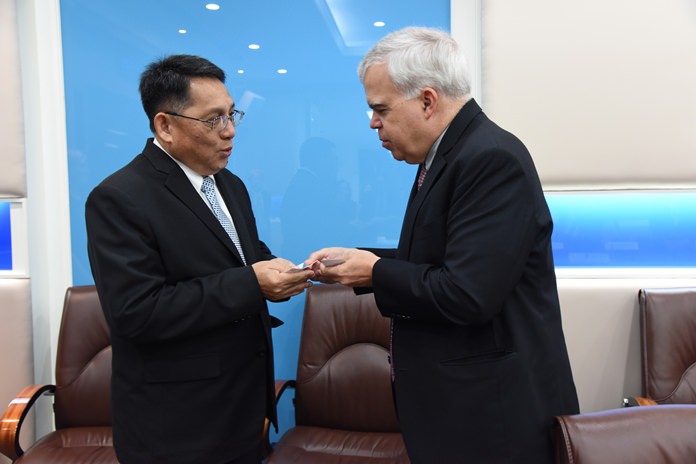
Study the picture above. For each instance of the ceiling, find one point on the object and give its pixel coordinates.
(291, 34)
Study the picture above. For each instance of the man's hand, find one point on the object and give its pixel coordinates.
(356, 271)
(277, 284)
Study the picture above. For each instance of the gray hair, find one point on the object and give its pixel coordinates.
(419, 57)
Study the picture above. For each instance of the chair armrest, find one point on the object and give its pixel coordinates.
(13, 418)
(280, 387)
(638, 401)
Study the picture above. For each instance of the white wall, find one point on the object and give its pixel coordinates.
(33, 169)
(602, 92)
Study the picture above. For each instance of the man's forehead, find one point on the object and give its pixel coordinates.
(379, 88)
(377, 73)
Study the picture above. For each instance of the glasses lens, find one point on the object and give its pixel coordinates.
(221, 122)
(237, 115)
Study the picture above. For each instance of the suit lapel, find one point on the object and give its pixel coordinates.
(455, 131)
(180, 186)
(414, 204)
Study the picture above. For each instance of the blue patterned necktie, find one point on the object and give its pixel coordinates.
(209, 190)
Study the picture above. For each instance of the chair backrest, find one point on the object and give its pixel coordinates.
(663, 434)
(83, 363)
(668, 339)
(343, 374)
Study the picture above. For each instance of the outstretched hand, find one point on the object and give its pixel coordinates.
(355, 271)
(278, 284)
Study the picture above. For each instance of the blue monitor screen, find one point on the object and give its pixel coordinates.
(5, 237)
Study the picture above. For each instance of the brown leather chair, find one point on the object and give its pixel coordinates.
(668, 342)
(81, 402)
(344, 409)
(662, 434)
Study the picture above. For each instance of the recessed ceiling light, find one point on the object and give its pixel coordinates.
(254, 46)
(282, 71)
(213, 6)
(182, 31)
(379, 24)
(240, 71)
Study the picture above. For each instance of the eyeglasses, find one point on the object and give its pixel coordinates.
(218, 123)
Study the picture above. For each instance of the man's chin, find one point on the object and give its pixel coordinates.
(397, 156)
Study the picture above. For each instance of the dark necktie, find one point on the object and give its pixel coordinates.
(208, 189)
(421, 176)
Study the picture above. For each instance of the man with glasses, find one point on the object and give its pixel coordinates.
(479, 360)
(184, 278)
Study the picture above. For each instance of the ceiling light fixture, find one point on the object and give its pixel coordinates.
(182, 31)
(240, 71)
(254, 46)
(282, 71)
(213, 6)
(379, 24)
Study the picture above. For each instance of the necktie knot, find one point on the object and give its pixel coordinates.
(208, 184)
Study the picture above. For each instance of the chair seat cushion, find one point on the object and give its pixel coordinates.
(314, 445)
(77, 445)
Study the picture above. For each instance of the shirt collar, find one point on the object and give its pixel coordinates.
(195, 178)
(431, 153)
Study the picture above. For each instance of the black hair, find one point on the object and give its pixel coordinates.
(165, 83)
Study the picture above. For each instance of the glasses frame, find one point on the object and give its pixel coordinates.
(236, 118)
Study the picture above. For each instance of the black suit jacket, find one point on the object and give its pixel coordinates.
(191, 334)
(479, 354)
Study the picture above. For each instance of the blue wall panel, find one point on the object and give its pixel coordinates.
(5, 237)
(624, 230)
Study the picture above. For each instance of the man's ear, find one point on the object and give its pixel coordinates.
(163, 127)
(429, 100)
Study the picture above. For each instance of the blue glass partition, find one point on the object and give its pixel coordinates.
(316, 171)
(5, 237)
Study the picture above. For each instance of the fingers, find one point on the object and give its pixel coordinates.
(280, 264)
(282, 293)
(276, 283)
(325, 253)
(355, 270)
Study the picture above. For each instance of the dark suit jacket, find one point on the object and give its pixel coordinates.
(480, 359)
(191, 334)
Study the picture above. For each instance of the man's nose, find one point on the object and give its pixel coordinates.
(229, 131)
